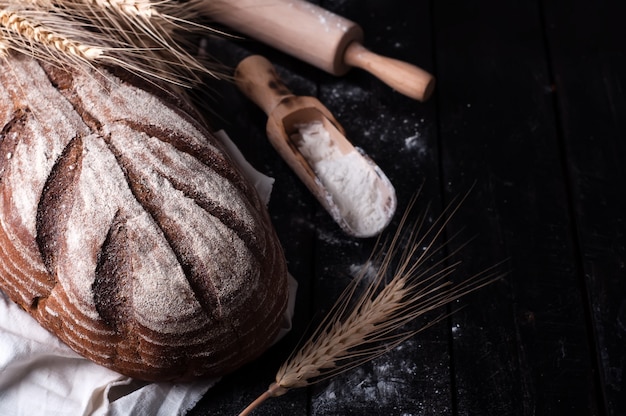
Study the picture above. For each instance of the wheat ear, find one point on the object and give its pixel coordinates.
(22, 30)
(143, 37)
(131, 7)
(364, 324)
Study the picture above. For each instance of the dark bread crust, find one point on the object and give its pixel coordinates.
(127, 230)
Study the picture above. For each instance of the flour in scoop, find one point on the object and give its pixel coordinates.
(353, 183)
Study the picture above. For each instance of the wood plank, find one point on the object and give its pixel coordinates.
(520, 346)
(400, 135)
(586, 40)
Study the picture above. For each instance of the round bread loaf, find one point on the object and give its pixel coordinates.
(127, 231)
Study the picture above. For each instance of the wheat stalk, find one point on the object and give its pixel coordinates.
(133, 7)
(141, 36)
(156, 29)
(364, 324)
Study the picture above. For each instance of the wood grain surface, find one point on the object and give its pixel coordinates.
(529, 113)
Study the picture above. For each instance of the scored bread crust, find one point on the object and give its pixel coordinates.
(126, 229)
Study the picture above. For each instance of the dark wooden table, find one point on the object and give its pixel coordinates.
(530, 110)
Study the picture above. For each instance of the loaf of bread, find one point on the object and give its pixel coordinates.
(127, 231)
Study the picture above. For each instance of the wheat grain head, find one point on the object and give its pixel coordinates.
(25, 32)
(412, 279)
(125, 7)
(144, 37)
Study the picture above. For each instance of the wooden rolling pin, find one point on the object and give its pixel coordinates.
(319, 37)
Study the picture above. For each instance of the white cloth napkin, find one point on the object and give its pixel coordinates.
(39, 375)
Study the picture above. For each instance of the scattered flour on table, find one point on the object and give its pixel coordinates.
(388, 382)
(369, 270)
(416, 143)
(383, 128)
(336, 238)
(348, 177)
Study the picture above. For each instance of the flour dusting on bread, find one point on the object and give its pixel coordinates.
(127, 230)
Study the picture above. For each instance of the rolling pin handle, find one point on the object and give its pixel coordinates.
(403, 77)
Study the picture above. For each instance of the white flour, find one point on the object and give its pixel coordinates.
(349, 178)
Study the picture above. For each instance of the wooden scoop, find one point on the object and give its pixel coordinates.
(287, 114)
(319, 37)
